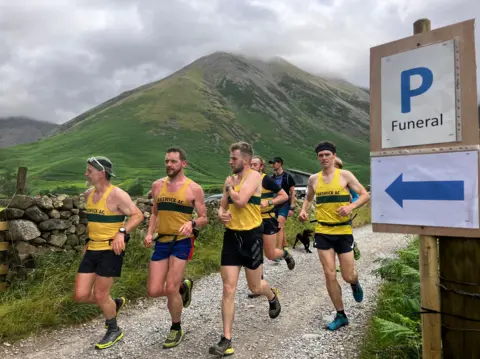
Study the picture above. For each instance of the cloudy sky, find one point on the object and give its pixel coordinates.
(59, 58)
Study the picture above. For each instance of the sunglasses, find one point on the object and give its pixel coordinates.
(94, 162)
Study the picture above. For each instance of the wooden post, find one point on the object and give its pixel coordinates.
(428, 261)
(460, 280)
(3, 256)
(430, 297)
(21, 180)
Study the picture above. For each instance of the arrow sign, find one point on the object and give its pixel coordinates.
(425, 190)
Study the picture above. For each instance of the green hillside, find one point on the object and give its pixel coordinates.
(204, 107)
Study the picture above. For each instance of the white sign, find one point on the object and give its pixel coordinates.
(438, 189)
(418, 96)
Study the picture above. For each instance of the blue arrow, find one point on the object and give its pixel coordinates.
(425, 190)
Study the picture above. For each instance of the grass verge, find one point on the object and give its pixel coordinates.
(44, 299)
(395, 331)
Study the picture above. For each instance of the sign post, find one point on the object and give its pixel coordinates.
(424, 135)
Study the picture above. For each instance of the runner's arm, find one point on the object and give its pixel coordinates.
(127, 207)
(354, 184)
(199, 198)
(309, 196)
(223, 203)
(292, 191)
(152, 223)
(241, 198)
(270, 184)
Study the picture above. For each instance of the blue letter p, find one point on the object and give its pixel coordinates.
(406, 92)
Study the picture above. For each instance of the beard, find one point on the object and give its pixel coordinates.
(172, 173)
(237, 169)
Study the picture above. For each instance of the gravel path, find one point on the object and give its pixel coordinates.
(297, 333)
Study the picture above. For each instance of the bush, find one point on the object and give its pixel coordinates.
(395, 330)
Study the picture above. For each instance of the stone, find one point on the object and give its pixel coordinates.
(54, 214)
(75, 211)
(58, 240)
(44, 203)
(75, 219)
(83, 218)
(46, 235)
(72, 240)
(65, 214)
(25, 250)
(12, 213)
(68, 203)
(71, 230)
(23, 230)
(83, 238)
(80, 229)
(53, 224)
(57, 203)
(78, 248)
(39, 241)
(36, 214)
(21, 202)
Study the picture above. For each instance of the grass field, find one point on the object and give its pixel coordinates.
(44, 300)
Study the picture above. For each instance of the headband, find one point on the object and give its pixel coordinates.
(326, 147)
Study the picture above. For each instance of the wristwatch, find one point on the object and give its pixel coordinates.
(123, 230)
(193, 223)
(270, 202)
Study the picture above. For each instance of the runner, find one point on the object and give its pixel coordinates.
(106, 207)
(286, 181)
(333, 232)
(242, 242)
(354, 196)
(272, 195)
(175, 196)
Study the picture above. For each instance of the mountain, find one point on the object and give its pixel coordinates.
(19, 130)
(204, 107)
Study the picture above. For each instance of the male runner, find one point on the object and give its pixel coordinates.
(333, 233)
(242, 242)
(272, 195)
(106, 207)
(353, 196)
(175, 196)
(286, 181)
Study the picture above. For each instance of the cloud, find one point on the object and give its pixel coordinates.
(58, 59)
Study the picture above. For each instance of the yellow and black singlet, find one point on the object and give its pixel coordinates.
(103, 224)
(329, 198)
(173, 211)
(248, 217)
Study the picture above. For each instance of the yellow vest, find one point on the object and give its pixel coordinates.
(330, 197)
(103, 224)
(173, 211)
(267, 212)
(248, 217)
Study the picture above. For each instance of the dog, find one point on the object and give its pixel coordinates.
(304, 238)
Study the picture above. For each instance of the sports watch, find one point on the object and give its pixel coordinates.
(270, 202)
(123, 230)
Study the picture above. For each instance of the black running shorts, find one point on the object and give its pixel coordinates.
(341, 243)
(104, 263)
(270, 226)
(243, 248)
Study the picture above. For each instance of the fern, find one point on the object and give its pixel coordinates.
(395, 331)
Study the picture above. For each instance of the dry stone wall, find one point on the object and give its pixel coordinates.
(42, 224)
